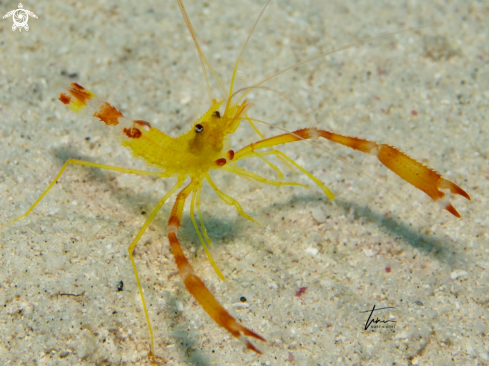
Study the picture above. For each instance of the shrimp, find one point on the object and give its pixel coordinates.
(205, 147)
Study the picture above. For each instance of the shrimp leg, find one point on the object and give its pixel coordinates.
(201, 238)
(407, 168)
(285, 158)
(83, 163)
(229, 200)
(194, 284)
(131, 248)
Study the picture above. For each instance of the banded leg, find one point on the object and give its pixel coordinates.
(195, 285)
(83, 163)
(407, 168)
(131, 248)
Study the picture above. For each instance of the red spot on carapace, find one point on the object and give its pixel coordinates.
(109, 114)
(143, 123)
(80, 93)
(231, 154)
(221, 162)
(388, 269)
(65, 99)
(414, 113)
(301, 291)
(133, 133)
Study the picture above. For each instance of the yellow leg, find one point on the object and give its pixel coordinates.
(229, 200)
(325, 189)
(236, 170)
(285, 161)
(192, 216)
(84, 163)
(273, 166)
(133, 246)
(204, 230)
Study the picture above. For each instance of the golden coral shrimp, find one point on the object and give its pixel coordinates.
(205, 147)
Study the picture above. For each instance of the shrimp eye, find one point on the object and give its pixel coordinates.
(216, 114)
(199, 128)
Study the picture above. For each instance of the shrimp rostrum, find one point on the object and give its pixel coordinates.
(205, 147)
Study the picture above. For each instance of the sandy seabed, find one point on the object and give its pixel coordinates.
(384, 243)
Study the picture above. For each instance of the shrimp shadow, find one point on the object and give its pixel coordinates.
(434, 246)
(140, 203)
(185, 340)
(220, 230)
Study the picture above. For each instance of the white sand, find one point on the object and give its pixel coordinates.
(139, 56)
